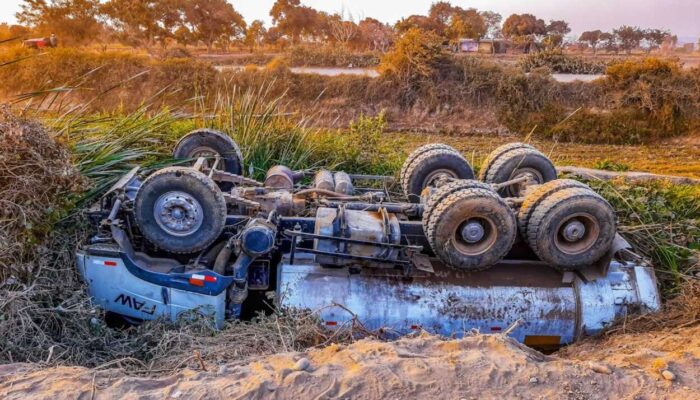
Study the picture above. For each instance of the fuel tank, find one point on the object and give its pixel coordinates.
(551, 310)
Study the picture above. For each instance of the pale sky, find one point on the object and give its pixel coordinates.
(682, 17)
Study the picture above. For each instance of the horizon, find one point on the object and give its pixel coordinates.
(679, 16)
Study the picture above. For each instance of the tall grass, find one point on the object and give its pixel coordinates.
(265, 134)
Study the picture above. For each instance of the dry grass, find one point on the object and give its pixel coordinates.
(36, 180)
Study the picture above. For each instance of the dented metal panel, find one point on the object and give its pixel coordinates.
(452, 302)
(115, 289)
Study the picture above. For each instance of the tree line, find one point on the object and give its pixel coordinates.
(216, 23)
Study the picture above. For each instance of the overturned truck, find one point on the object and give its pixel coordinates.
(516, 247)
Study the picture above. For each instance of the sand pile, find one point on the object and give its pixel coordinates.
(479, 366)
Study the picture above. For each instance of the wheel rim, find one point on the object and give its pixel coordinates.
(475, 236)
(517, 189)
(209, 154)
(178, 213)
(434, 176)
(577, 233)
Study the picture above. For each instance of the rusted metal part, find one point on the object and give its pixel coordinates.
(223, 176)
(279, 177)
(367, 230)
(452, 302)
(324, 180)
(343, 183)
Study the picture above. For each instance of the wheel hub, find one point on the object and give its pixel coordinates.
(178, 213)
(535, 178)
(574, 231)
(472, 232)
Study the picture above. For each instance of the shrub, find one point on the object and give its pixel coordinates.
(562, 63)
(330, 56)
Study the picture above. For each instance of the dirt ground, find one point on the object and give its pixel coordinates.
(480, 366)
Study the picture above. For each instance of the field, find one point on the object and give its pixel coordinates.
(64, 142)
(672, 157)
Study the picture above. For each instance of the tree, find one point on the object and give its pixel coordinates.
(294, 20)
(493, 23)
(523, 29)
(343, 31)
(609, 42)
(73, 21)
(213, 20)
(629, 37)
(654, 38)
(144, 22)
(591, 38)
(441, 12)
(255, 34)
(466, 24)
(375, 35)
(556, 30)
(421, 22)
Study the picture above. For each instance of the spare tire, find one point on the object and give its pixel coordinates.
(207, 142)
(519, 162)
(471, 229)
(429, 167)
(180, 210)
(571, 228)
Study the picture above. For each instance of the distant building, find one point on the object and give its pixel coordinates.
(486, 46)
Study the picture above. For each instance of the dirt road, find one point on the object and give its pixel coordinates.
(480, 366)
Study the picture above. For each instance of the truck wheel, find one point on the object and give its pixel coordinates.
(497, 153)
(180, 210)
(517, 163)
(571, 228)
(440, 194)
(539, 194)
(471, 229)
(210, 143)
(430, 166)
(417, 152)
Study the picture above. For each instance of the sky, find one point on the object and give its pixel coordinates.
(682, 17)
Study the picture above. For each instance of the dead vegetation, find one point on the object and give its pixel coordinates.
(642, 101)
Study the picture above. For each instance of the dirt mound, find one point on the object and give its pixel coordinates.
(474, 367)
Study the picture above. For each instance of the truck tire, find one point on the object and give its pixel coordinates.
(180, 210)
(498, 152)
(571, 228)
(440, 194)
(429, 167)
(208, 143)
(417, 152)
(471, 229)
(519, 162)
(539, 194)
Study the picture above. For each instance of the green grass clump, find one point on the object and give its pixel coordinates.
(662, 221)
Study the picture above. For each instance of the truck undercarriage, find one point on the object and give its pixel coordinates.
(515, 248)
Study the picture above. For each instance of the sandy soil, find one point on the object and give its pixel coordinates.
(480, 366)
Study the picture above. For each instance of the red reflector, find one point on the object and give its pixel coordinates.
(210, 278)
(415, 327)
(110, 263)
(196, 282)
(331, 323)
(495, 329)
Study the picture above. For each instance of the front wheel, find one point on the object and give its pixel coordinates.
(180, 210)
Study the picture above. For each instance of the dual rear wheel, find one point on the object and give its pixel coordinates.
(469, 226)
